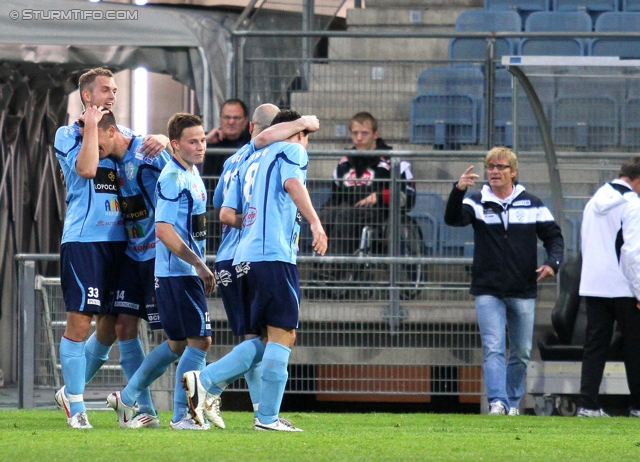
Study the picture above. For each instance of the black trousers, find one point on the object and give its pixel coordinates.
(601, 315)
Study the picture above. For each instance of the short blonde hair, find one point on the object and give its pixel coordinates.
(501, 152)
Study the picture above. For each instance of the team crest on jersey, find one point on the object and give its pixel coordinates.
(69, 130)
(250, 217)
(181, 180)
(519, 215)
(129, 170)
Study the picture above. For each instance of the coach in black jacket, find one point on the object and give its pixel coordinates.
(507, 222)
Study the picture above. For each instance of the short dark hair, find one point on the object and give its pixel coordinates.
(86, 80)
(287, 115)
(362, 117)
(631, 168)
(181, 121)
(245, 110)
(108, 119)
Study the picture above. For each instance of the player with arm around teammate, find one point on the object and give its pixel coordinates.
(270, 192)
(240, 360)
(137, 176)
(93, 224)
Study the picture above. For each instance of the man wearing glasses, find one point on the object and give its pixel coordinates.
(507, 222)
(233, 133)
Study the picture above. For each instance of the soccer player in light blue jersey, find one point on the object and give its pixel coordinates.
(266, 199)
(93, 243)
(182, 275)
(240, 360)
(137, 176)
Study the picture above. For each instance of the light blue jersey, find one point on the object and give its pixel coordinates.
(230, 235)
(181, 201)
(93, 211)
(137, 178)
(270, 219)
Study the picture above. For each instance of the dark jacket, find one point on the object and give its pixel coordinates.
(505, 260)
(356, 177)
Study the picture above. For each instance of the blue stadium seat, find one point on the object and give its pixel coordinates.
(585, 5)
(484, 21)
(586, 112)
(630, 5)
(449, 106)
(428, 213)
(517, 5)
(616, 22)
(631, 116)
(528, 132)
(547, 21)
(503, 110)
(457, 241)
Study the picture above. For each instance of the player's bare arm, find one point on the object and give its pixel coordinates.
(169, 237)
(284, 130)
(89, 155)
(231, 217)
(300, 196)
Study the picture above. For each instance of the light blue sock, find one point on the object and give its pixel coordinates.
(154, 365)
(131, 357)
(254, 382)
(192, 359)
(232, 366)
(96, 355)
(274, 379)
(72, 360)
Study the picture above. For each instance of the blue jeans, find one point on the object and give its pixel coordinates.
(505, 381)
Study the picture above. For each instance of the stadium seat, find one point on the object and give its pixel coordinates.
(503, 110)
(518, 5)
(449, 106)
(528, 132)
(547, 21)
(596, 6)
(631, 116)
(630, 5)
(428, 213)
(457, 241)
(484, 21)
(585, 113)
(616, 22)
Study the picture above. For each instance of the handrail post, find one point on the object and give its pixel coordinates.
(27, 331)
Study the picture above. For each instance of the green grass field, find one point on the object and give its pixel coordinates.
(42, 435)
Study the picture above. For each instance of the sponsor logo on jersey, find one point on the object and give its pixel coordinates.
(135, 231)
(199, 227)
(112, 206)
(140, 248)
(522, 202)
(249, 218)
(134, 208)
(93, 301)
(105, 181)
